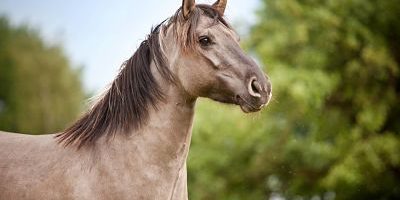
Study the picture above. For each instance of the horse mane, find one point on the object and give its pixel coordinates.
(124, 106)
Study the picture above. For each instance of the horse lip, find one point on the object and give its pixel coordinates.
(246, 106)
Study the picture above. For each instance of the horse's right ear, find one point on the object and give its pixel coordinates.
(187, 7)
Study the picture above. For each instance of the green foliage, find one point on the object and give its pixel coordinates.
(332, 129)
(39, 92)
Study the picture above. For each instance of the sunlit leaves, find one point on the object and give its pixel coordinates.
(332, 128)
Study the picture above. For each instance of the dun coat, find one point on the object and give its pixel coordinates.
(134, 141)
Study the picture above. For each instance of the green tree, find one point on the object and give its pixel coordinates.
(333, 129)
(39, 91)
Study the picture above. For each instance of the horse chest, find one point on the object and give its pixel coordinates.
(116, 182)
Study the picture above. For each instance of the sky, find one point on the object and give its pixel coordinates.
(99, 34)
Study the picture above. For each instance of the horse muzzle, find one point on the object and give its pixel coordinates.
(259, 93)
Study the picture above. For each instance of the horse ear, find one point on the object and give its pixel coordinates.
(220, 5)
(187, 7)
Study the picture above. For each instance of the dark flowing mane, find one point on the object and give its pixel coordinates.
(124, 106)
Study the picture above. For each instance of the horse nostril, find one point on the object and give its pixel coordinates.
(254, 87)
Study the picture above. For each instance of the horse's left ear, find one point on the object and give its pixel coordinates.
(187, 7)
(220, 5)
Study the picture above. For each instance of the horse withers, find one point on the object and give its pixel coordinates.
(133, 143)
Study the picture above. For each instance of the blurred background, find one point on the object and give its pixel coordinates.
(332, 130)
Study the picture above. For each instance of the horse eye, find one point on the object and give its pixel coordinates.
(205, 41)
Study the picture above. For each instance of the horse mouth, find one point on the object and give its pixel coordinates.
(246, 106)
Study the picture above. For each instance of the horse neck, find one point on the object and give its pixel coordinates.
(169, 126)
(164, 139)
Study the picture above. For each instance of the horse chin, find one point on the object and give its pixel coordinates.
(244, 105)
(247, 107)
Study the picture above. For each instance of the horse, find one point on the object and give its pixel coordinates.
(134, 141)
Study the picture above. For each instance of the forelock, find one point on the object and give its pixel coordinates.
(185, 28)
